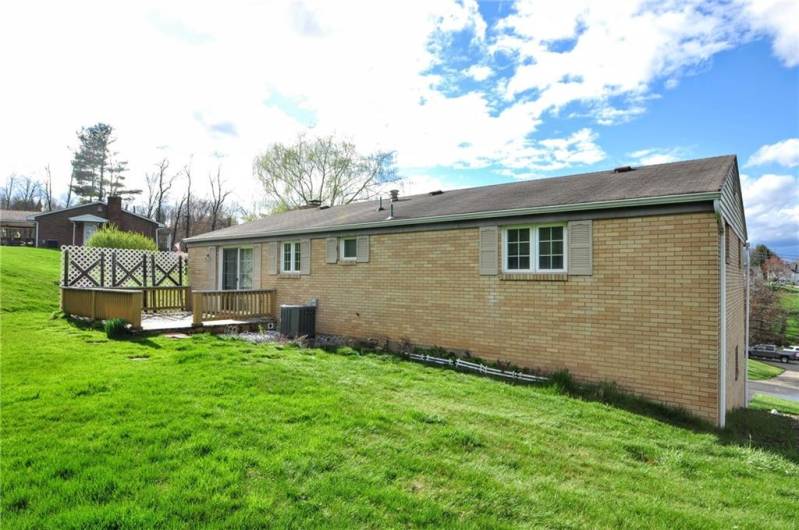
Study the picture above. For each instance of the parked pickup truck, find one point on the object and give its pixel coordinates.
(770, 351)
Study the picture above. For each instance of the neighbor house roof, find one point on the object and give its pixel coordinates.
(16, 217)
(38, 215)
(672, 183)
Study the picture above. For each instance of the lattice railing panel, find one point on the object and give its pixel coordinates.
(112, 267)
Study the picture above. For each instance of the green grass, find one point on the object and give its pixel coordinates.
(208, 432)
(789, 297)
(764, 402)
(759, 370)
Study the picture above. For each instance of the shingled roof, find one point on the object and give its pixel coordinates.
(19, 218)
(676, 182)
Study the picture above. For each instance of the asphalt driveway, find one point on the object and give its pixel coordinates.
(785, 385)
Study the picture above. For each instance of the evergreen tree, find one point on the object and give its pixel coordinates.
(96, 171)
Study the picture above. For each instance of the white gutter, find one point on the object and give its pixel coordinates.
(512, 212)
(722, 315)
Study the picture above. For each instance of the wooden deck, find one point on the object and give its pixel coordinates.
(174, 308)
(183, 321)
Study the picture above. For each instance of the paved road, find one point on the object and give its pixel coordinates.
(784, 386)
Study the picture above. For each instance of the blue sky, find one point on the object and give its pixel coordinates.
(466, 93)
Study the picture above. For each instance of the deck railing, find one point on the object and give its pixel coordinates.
(219, 305)
(102, 304)
(164, 298)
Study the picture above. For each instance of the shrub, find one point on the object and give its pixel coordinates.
(112, 237)
(115, 328)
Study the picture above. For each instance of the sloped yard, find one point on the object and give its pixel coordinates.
(211, 432)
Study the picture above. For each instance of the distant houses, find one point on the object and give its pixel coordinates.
(76, 224)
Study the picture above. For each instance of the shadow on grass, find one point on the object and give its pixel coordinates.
(749, 428)
(745, 427)
(777, 433)
(96, 325)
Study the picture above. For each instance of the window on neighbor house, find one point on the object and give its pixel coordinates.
(535, 248)
(349, 249)
(236, 268)
(291, 257)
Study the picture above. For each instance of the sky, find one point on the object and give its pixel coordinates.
(465, 93)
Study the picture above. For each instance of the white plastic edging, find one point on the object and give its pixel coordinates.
(477, 367)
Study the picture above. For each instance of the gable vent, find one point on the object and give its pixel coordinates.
(622, 169)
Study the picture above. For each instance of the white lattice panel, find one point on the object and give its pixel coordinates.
(110, 267)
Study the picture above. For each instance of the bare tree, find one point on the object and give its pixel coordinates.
(7, 192)
(322, 169)
(151, 193)
(29, 195)
(767, 317)
(159, 185)
(176, 215)
(218, 197)
(187, 173)
(47, 189)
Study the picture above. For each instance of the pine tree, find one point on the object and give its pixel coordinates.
(96, 171)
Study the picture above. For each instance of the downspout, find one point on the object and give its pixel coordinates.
(722, 315)
(36, 224)
(746, 332)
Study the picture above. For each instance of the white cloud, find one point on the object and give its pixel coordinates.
(479, 72)
(784, 153)
(618, 48)
(193, 78)
(778, 19)
(772, 208)
(420, 183)
(579, 148)
(181, 75)
(657, 155)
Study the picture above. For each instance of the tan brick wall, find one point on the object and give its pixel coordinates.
(202, 268)
(736, 325)
(647, 318)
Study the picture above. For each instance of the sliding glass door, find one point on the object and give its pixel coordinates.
(236, 269)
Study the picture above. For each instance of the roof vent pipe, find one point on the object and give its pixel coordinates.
(623, 169)
(380, 207)
(391, 212)
(394, 195)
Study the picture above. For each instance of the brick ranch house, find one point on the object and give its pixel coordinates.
(76, 224)
(635, 275)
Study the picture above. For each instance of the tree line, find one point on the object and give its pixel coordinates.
(309, 170)
(768, 317)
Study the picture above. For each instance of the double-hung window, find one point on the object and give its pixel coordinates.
(349, 249)
(535, 248)
(236, 268)
(291, 257)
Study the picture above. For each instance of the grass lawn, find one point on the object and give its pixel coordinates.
(217, 433)
(764, 402)
(790, 301)
(759, 370)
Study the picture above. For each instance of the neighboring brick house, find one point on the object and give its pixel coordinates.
(76, 224)
(635, 275)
